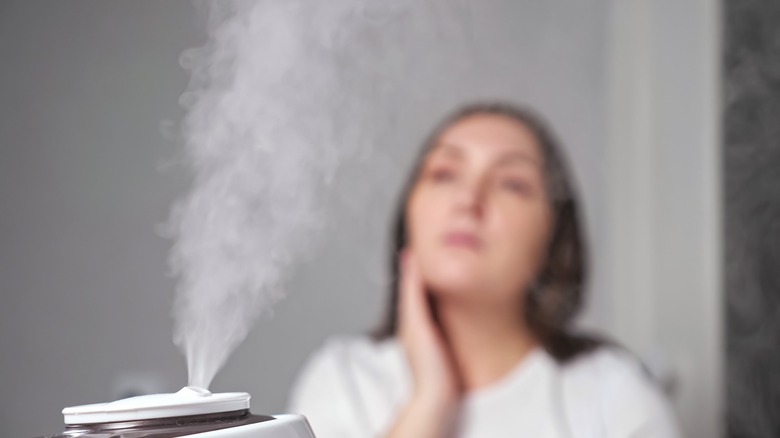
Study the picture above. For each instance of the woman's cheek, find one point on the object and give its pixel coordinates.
(521, 229)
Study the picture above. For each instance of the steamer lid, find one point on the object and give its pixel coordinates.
(190, 400)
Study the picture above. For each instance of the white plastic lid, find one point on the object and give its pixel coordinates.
(190, 400)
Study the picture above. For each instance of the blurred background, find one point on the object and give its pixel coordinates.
(669, 110)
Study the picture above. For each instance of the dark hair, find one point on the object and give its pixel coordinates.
(556, 296)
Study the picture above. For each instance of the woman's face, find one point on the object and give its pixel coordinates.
(478, 216)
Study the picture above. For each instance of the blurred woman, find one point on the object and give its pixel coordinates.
(488, 269)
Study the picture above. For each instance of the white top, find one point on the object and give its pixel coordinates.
(355, 387)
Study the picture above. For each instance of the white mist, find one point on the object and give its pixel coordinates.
(280, 96)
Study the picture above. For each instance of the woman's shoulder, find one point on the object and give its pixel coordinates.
(353, 354)
(360, 345)
(612, 384)
(605, 361)
(358, 353)
(348, 383)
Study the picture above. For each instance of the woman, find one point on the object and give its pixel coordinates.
(488, 269)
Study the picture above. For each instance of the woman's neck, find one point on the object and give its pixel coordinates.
(486, 341)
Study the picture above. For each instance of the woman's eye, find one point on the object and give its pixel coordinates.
(517, 186)
(442, 175)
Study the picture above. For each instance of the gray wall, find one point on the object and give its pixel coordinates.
(84, 87)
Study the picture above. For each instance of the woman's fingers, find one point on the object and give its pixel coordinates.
(412, 294)
(415, 312)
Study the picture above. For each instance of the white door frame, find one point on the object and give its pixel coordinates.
(663, 234)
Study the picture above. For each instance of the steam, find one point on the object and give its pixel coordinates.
(281, 95)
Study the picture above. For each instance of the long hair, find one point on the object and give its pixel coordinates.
(556, 295)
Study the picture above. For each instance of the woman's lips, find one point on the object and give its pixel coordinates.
(462, 239)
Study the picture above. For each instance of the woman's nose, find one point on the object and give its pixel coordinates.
(471, 197)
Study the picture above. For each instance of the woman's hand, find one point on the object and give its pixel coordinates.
(436, 389)
(426, 350)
